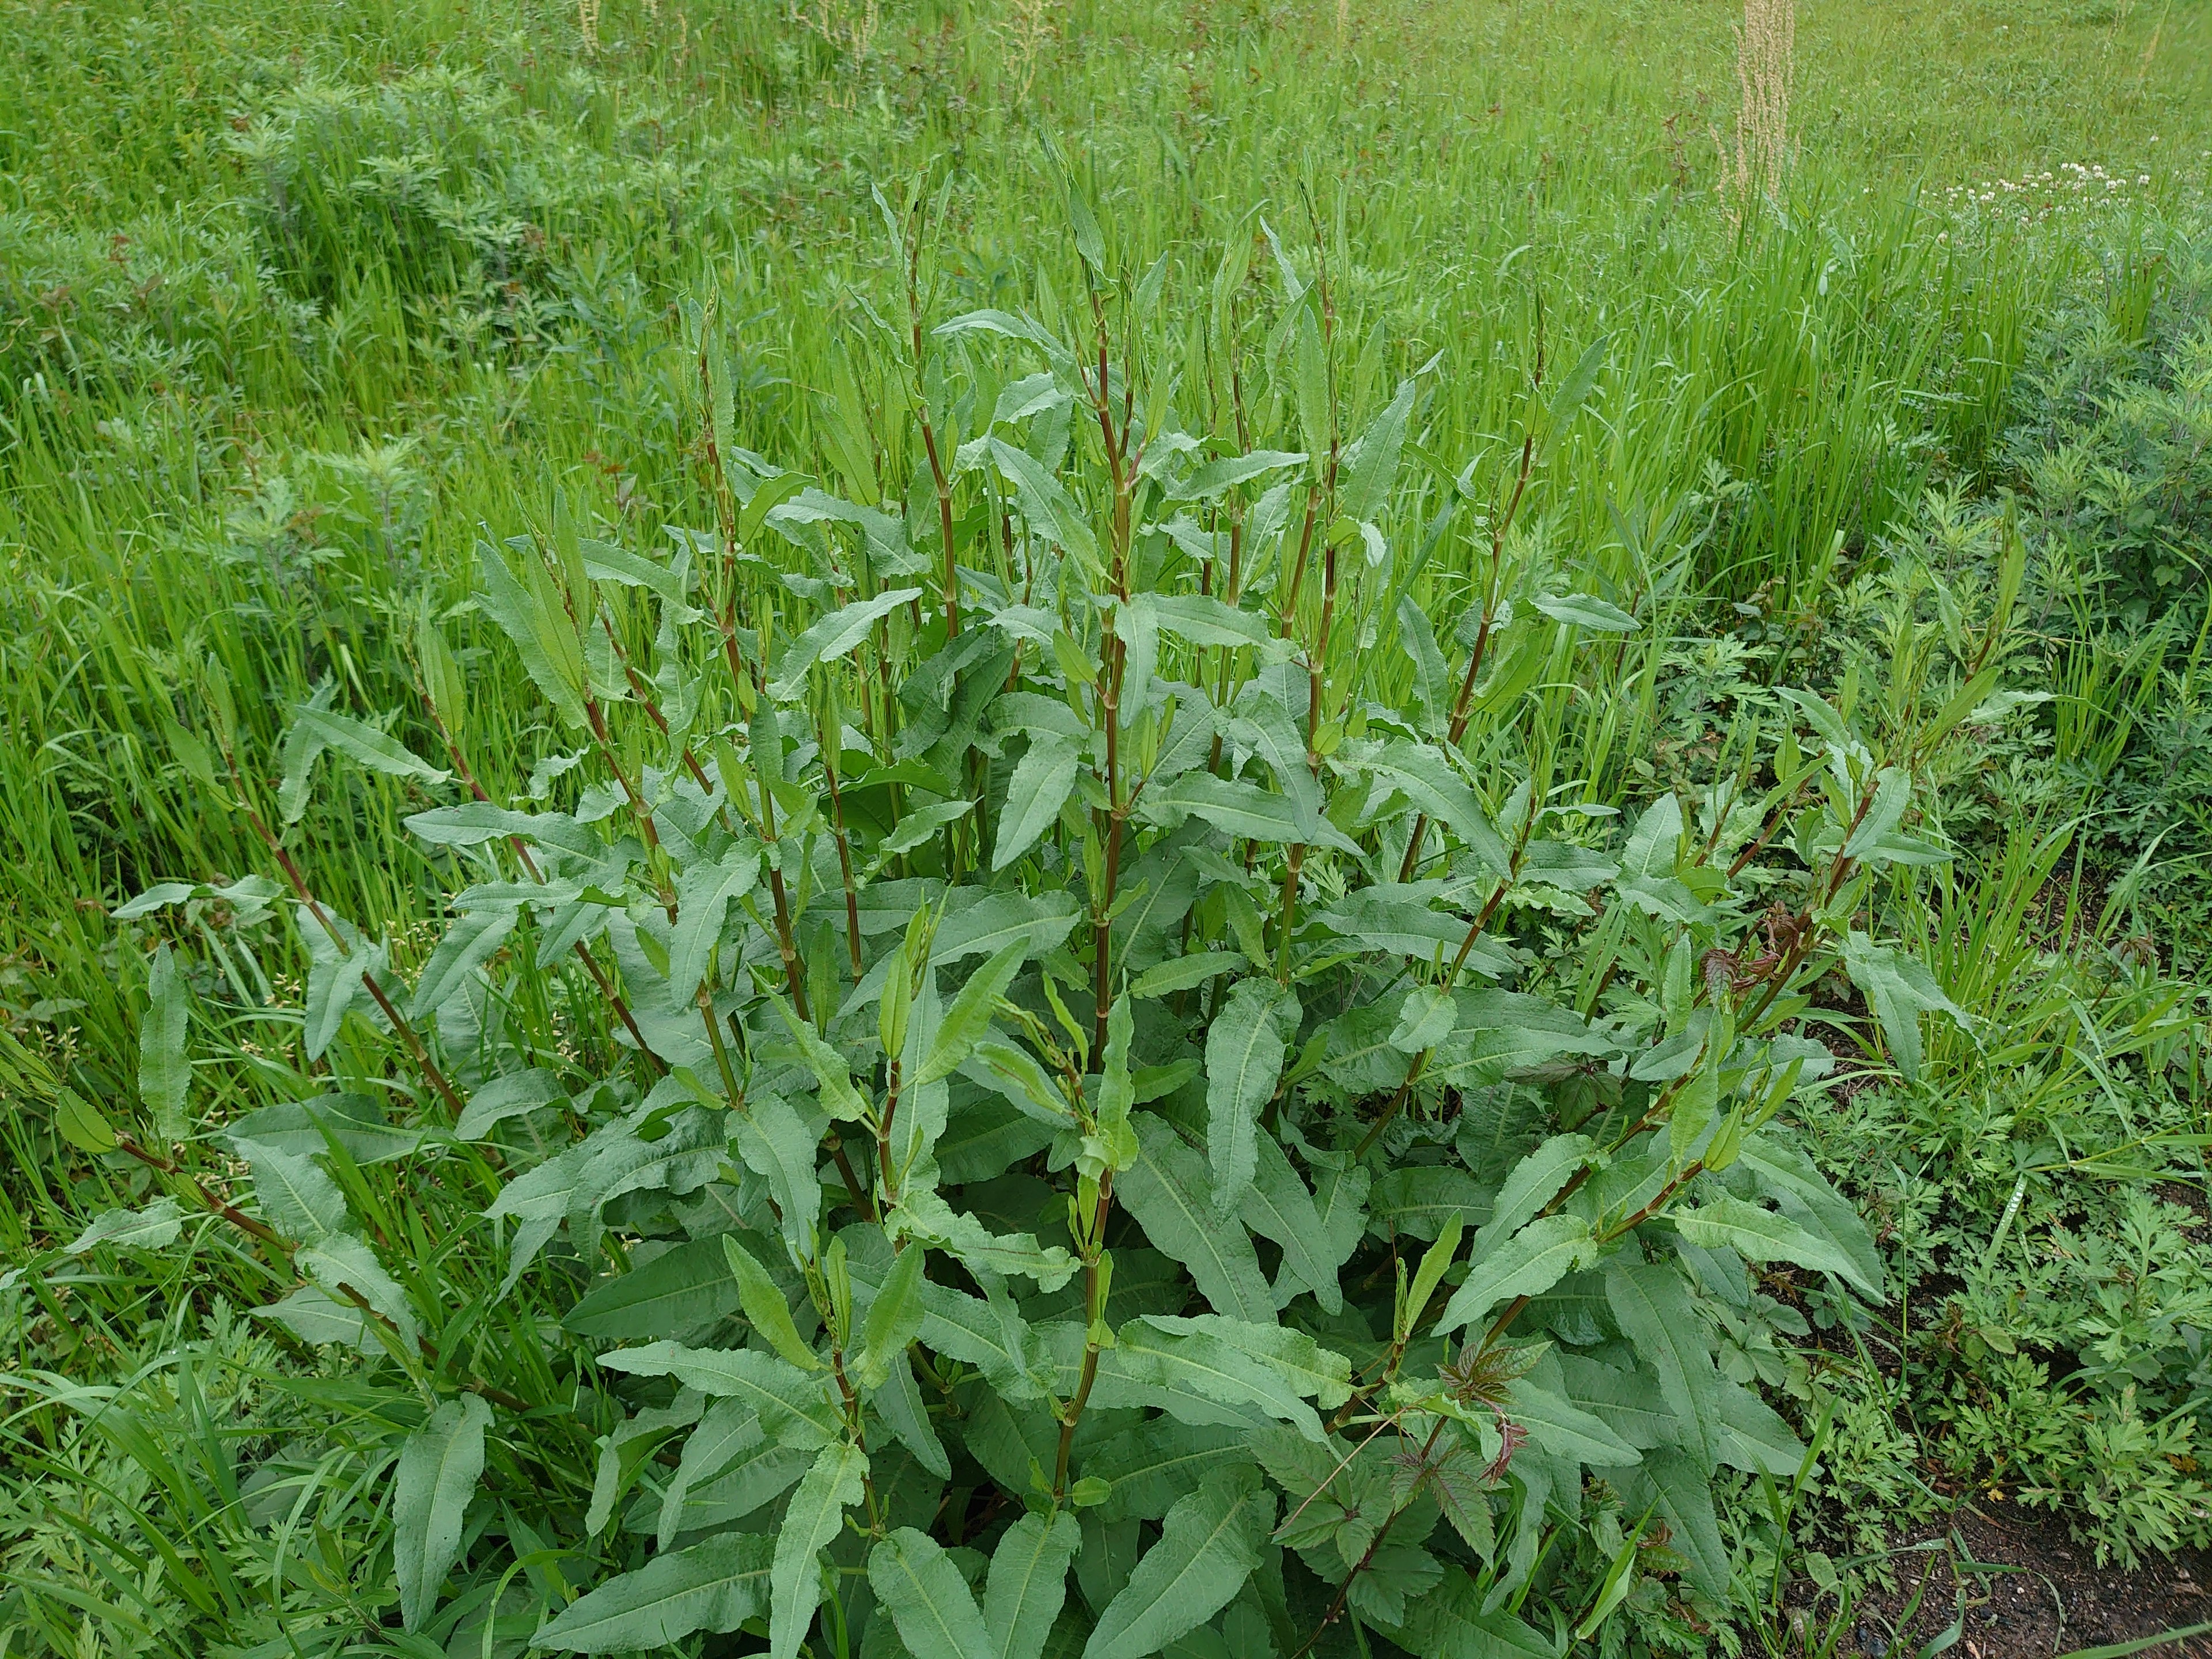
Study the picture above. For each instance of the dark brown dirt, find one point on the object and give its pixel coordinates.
(2030, 1592)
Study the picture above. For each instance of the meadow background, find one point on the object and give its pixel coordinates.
(298, 300)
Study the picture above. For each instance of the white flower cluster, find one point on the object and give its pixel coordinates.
(2035, 197)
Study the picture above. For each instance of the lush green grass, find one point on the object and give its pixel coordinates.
(294, 300)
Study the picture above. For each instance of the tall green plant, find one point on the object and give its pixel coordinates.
(1067, 1036)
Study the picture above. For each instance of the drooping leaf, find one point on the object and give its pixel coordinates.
(437, 1475)
(927, 1599)
(1168, 1192)
(1528, 1263)
(1042, 780)
(714, 1585)
(1028, 1583)
(164, 1077)
(831, 637)
(815, 1518)
(1762, 1235)
(154, 1228)
(1244, 1051)
(1208, 1546)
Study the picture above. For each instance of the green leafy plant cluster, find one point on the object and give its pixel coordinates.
(1064, 1069)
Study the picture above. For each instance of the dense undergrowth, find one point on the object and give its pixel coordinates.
(1502, 719)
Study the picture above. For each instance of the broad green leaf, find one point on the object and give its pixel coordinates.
(1208, 1546)
(542, 637)
(1572, 392)
(678, 1291)
(1243, 1059)
(1045, 503)
(1901, 989)
(154, 1228)
(1278, 1207)
(297, 1198)
(1531, 1184)
(814, 1520)
(833, 1075)
(1893, 793)
(1654, 1309)
(1199, 1371)
(345, 1265)
(1450, 1623)
(727, 1431)
(1761, 1235)
(436, 1477)
(165, 1078)
(1791, 1178)
(1590, 611)
(794, 1407)
(1042, 780)
(831, 637)
(927, 1599)
(1181, 972)
(378, 751)
(471, 940)
(713, 1586)
(894, 1317)
(1370, 465)
(1167, 1190)
(1564, 1430)
(1160, 1461)
(765, 1306)
(704, 898)
(968, 1017)
(1528, 1263)
(1028, 1583)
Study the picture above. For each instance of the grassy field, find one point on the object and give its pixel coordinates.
(300, 303)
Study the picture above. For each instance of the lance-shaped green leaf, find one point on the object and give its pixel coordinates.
(1568, 400)
(1528, 1263)
(1901, 989)
(894, 1317)
(437, 1475)
(1426, 777)
(343, 1265)
(538, 628)
(1167, 1190)
(1530, 1186)
(154, 1228)
(678, 1291)
(1566, 1430)
(1370, 465)
(715, 1586)
(164, 1077)
(297, 1198)
(1761, 1235)
(1243, 1059)
(1028, 1583)
(1589, 611)
(967, 1018)
(1278, 1207)
(928, 1600)
(814, 1521)
(1047, 506)
(378, 751)
(830, 637)
(471, 941)
(795, 1408)
(1787, 1175)
(1212, 1370)
(1653, 1307)
(606, 562)
(831, 1073)
(704, 898)
(1238, 808)
(1208, 1546)
(765, 1307)
(1042, 779)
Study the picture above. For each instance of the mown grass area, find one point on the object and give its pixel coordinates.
(297, 304)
